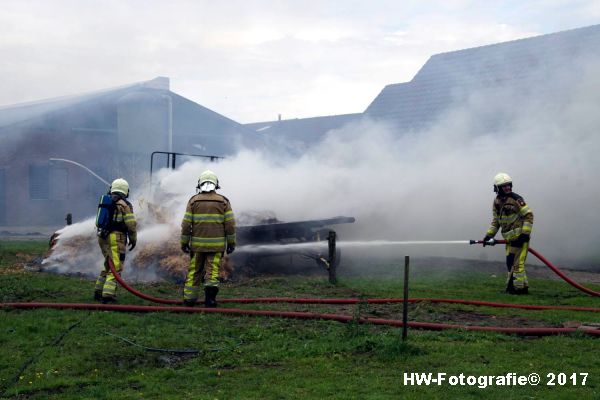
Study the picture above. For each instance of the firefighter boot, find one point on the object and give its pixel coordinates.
(189, 303)
(510, 286)
(210, 296)
(524, 290)
(98, 295)
(109, 300)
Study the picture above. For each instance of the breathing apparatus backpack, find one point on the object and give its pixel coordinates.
(105, 215)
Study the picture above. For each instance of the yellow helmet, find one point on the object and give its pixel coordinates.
(120, 185)
(501, 179)
(208, 176)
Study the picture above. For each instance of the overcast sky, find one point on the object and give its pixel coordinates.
(251, 60)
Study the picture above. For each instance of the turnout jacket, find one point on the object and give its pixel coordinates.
(208, 224)
(124, 220)
(512, 215)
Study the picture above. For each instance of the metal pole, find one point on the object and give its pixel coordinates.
(405, 302)
(332, 261)
(151, 162)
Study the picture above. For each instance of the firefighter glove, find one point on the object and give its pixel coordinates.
(185, 248)
(486, 239)
(522, 239)
(230, 248)
(131, 245)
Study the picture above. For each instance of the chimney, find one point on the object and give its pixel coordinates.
(161, 82)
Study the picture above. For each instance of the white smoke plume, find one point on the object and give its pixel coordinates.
(420, 186)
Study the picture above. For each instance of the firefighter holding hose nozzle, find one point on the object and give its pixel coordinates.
(207, 230)
(514, 218)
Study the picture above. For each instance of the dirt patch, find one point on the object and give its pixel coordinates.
(174, 360)
(422, 312)
(152, 359)
(437, 313)
(23, 262)
(462, 317)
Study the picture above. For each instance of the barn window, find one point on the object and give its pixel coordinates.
(39, 182)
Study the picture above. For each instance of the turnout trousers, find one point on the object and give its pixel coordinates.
(113, 248)
(515, 263)
(203, 270)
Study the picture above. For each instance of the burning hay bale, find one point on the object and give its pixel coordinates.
(169, 262)
(264, 244)
(70, 252)
(71, 246)
(157, 214)
(166, 259)
(78, 252)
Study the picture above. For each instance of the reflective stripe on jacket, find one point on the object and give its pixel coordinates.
(208, 224)
(124, 219)
(512, 215)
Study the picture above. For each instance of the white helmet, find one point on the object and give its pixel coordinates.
(208, 181)
(501, 179)
(120, 185)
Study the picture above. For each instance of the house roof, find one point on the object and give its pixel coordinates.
(296, 135)
(447, 78)
(306, 128)
(29, 111)
(187, 114)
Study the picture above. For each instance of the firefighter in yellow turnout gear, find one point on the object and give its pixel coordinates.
(207, 231)
(113, 241)
(515, 219)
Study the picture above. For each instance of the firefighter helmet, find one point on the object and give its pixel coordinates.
(120, 185)
(501, 179)
(208, 177)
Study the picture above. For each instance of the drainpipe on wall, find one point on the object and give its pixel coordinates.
(169, 122)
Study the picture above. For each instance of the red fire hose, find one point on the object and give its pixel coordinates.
(542, 331)
(548, 264)
(333, 317)
(563, 276)
(303, 315)
(348, 301)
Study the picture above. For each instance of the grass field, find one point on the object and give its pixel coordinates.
(62, 354)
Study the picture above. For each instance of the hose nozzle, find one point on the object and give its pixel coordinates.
(491, 242)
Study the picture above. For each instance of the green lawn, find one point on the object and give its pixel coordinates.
(62, 354)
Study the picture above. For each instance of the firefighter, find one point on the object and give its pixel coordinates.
(113, 240)
(514, 217)
(207, 231)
